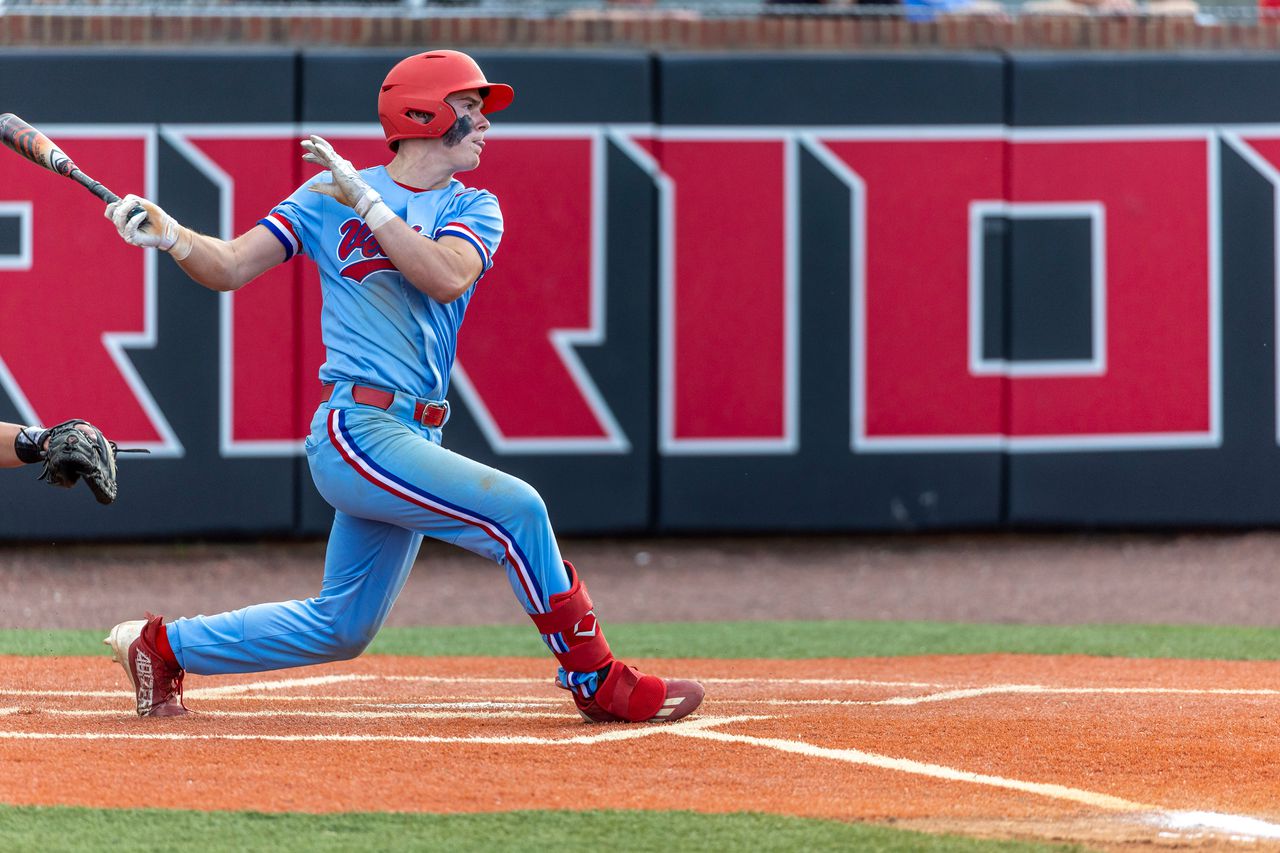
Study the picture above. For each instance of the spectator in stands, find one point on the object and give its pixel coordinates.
(623, 10)
(1173, 8)
(801, 4)
(1187, 8)
(915, 10)
(1077, 7)
(928, 10)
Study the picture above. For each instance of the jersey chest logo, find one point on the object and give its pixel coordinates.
(357, 239)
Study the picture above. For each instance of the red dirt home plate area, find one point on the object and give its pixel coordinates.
(1105, 751)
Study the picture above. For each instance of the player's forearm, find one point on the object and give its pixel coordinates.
(431, 268)
(213, 263)
(8, 453)
(20, 445)
(223, 266)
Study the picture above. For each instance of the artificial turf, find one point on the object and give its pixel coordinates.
(780, 640)
(28, 829)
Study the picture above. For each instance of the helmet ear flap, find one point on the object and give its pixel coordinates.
(418, 115)
(414, 115)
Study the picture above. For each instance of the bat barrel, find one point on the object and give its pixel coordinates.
(39, 149)
(9, 124)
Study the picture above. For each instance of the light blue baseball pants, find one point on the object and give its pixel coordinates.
(391, 483)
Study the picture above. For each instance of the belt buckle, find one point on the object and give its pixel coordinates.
(428, 409)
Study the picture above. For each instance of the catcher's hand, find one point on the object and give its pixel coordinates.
(346, 184)
(77, 449)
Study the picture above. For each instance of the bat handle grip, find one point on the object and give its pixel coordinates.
(92, 186)
(101, 191)
(108, 196)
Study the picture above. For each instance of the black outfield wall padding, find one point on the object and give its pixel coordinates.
(747, 293)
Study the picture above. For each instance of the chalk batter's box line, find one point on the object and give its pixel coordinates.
(268, 691)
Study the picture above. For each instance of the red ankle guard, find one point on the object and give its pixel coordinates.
(571, 629)
(162, 646)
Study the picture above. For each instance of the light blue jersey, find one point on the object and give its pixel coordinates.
(377, 328)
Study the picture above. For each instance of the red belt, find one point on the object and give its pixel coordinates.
(425, 412)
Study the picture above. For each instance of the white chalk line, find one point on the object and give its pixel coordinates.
(387, 701)
(823, 682)
(406, 714)
(283, 684)
(513, 703)
(322, 680)
(463, 679)
(609, 734)
(807, 682)
(1238, 826)
(255, 690)
(1047, 690)
(920, 768)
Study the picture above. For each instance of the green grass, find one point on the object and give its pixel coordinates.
(77, 830)
(783, 640)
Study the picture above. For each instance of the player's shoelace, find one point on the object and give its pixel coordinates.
(175, 686)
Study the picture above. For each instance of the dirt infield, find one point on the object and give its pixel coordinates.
(1110, 752)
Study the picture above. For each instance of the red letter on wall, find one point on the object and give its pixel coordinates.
(729, 285)
(271, 347)
(545, 294)
(916, 385)
(75, 297)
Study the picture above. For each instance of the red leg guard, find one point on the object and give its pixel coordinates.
(627, 695)
(163, 647)
(571, 630)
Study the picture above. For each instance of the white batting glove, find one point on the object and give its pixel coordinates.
(150, 227)
(346, 184)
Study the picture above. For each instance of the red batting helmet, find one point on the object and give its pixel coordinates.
(421, 83)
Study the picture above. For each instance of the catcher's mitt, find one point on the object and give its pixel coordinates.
(73, 453)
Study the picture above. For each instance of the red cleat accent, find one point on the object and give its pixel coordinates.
(136, 645)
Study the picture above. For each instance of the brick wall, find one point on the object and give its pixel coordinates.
(671, 32)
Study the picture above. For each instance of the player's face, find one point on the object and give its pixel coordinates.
(464, 142)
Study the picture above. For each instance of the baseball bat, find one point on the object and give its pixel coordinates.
(44, 152)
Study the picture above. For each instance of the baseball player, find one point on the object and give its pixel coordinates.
(401, 250)
(70, 451)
